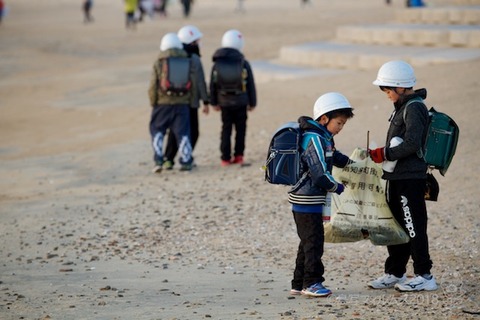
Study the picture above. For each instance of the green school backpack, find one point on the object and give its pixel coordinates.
(441, 141)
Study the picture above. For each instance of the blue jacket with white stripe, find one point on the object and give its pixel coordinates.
(318, 158)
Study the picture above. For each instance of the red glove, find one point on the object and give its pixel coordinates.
(377, 155)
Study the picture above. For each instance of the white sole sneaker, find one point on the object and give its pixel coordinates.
(418, 283)
(157, 169)
(295, 292)
(386, 281)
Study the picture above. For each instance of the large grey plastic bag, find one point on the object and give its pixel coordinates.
(361, 211)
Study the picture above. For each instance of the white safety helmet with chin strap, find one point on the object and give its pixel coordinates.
(233, 39)
(189, 34)
(396, 74)
(329, 102)
(170, 41)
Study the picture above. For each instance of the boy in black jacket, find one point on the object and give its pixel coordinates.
(407, 183)
(232, 90)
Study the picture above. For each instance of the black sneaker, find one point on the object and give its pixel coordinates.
(186, 167)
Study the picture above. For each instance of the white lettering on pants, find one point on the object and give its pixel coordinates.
(407, 217)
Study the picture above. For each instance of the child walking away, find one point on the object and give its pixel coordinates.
(130, 9)
(187, 5)
(2, 10)
(171, 89)
(308, 197)
(87, 8)
(190, 37)
(406, 183)
(232, 90)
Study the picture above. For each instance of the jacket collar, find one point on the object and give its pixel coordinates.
(420, 93)
(308, 124)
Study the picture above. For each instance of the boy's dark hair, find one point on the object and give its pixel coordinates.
(383, 88)
(346, 112)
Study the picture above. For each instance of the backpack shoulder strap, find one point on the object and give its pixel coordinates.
(409, 103)
(420, 152)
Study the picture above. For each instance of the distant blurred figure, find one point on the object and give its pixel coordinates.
(233, 93)
(145, 7)
(160, 6)
(130, 8)
(414, 3)
(87, 8)
(2, 6)
(190, 37)
(304, 3)
(388, 2)
(240, 8)
(186, 7)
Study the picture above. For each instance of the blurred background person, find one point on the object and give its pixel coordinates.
(190, 37)
(187, 5)
(87, 8)
(240, 7)
(2, 10)
(130, 8)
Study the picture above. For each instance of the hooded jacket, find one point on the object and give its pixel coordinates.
(201, 93)
(317, 161)
(410, 125)
(246, 98)
(157, 97)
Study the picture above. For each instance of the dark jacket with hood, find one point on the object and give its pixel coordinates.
(246, 94)
(201, 93)
(317, 161)
(411, 125)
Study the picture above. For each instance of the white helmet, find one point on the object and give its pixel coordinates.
(233, 39)
(189, 34)
(329, 102)
(395, 74)
(170, 41)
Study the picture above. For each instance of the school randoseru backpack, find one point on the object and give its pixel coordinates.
(230, 77)
(441, 141)
(175, 76)
(283, 158)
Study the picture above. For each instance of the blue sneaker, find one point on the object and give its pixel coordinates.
(317, 290)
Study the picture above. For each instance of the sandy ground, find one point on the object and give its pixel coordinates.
(87, 232)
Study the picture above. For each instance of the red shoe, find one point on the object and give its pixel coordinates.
(238, 160)
(225, 163)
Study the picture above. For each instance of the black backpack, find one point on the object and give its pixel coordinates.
(230, 77)
(283, 158)
(175, 76)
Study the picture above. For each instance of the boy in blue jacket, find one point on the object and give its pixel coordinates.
(331, 111)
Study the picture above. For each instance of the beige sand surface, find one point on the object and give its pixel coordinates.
(87, 232)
